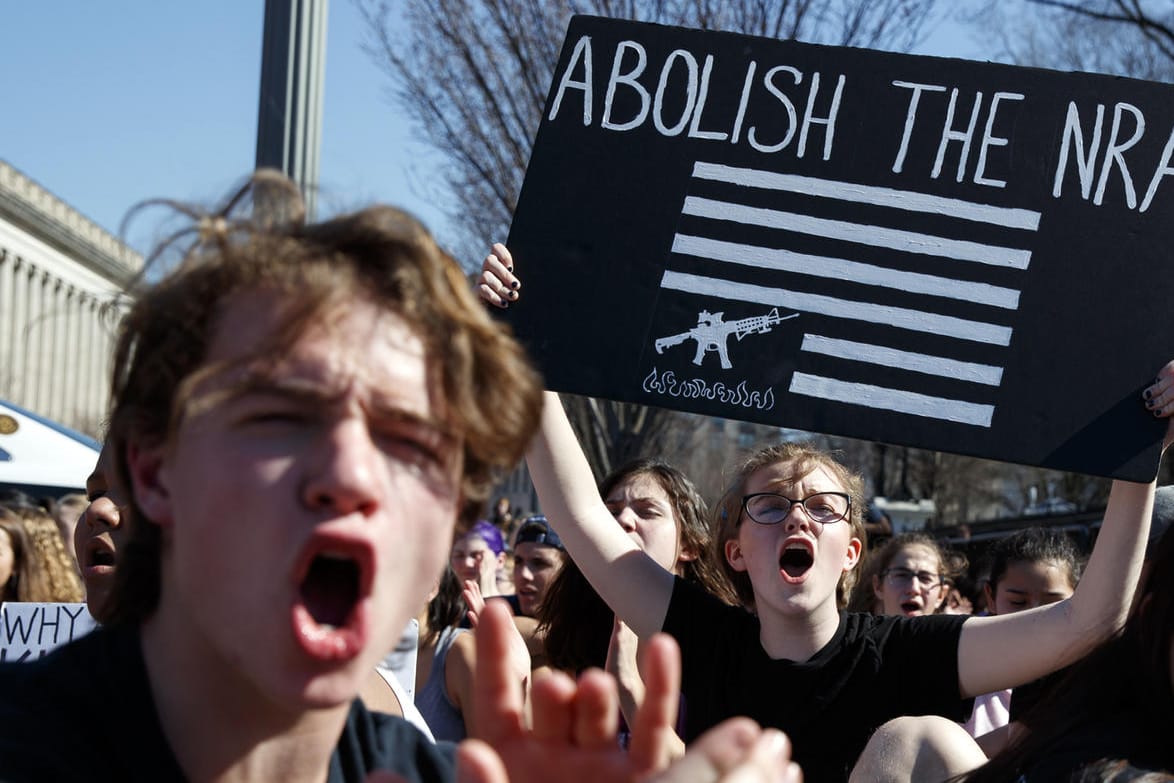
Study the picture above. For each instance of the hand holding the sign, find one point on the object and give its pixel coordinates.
(1066, 630)
(498, 284)
(1159, 399)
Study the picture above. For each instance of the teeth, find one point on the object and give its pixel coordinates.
(796, 546)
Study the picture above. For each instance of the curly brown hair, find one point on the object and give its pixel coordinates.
(26, 582)
(48, 572)
(487, 389)
(802, 459)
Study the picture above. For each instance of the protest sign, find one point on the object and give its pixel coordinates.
(953, 255)
(29, 630)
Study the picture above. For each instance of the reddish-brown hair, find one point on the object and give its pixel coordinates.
(801, 459)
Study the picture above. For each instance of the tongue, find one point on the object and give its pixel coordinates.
(330, 590)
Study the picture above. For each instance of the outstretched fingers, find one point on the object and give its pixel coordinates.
(497, 694)
(552, 700)
(478, 763)
(596, 714)
(654, 740)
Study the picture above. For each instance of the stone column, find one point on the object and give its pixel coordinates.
(96, 359)
(7, 280)
(18, 351)
(62, 351)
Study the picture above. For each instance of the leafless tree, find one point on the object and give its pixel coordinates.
(1130, 14)
(613, 433)
(963, 489)
(472, 75)
(1120, 37)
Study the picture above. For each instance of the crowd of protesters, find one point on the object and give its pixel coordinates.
(306, 424)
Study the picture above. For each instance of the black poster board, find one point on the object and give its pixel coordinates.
(953, 255)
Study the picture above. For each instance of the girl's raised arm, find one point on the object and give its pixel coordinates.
(633, 585)
(1009, 650)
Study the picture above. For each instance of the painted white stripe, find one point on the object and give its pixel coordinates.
(842, 269)
(869, 194)
(877, 236)
(926, 364)
(897, 400)
(914, 320)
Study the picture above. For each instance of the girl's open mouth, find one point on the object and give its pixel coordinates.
(796, 561)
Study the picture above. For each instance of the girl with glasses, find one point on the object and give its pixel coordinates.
(911, 578)
(788, 657)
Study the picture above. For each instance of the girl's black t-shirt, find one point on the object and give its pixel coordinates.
(873, 670)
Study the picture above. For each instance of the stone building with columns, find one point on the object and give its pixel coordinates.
(58, 271)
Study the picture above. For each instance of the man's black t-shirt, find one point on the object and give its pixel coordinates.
(85, 712)
(874, 669)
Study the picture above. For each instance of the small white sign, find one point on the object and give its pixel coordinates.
(28, 630)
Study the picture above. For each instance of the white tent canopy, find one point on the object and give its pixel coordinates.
(37, 452)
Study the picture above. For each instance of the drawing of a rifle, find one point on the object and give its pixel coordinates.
(712, 331)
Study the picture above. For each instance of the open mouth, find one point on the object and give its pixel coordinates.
(328, 620)
(331, 589)
(911, 607)
(98, 557)
(102, 558)
(796, 560)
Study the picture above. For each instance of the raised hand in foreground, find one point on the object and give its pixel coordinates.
(574, 734)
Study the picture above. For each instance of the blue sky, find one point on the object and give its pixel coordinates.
(109, 103)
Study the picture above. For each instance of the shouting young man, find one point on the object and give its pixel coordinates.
(299, 411)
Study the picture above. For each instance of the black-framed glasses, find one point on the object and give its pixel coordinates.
(901, 576)
(769, 508)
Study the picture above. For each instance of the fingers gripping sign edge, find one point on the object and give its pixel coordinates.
(498, 286)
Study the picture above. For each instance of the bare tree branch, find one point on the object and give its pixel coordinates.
(1129, 13)
(1131, 34)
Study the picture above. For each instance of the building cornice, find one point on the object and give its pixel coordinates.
(52, 221)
